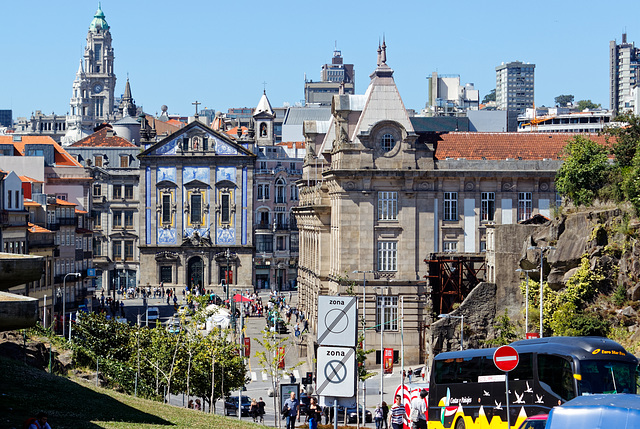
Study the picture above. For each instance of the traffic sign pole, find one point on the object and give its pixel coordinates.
(506, 359)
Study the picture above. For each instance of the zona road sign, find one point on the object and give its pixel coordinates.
(506, 358)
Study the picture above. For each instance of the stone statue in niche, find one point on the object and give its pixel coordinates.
(263, 130)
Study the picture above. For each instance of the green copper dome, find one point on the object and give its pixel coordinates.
(99, 23)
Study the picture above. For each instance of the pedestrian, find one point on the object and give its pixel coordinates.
(190, 404)
(40, 422)
(404, 375)
(328, 416)
(397, 413)
(378, 417)
(261, 406)
(253, 410)
(385, 414)
(410, 374)
(291, 411)
(418, 411)
(296, 330)
(313, 413)
(197, 405)
(305, 326)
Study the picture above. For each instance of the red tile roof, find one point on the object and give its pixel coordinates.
(290, 145)
(101, 139)
(61, 157)
(29, 203)
(497, 146)
(37, 228)
(233, 132)
(30, 179)
(64, 203)
(81, 211)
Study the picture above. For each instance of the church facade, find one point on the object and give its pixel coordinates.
(196, 220)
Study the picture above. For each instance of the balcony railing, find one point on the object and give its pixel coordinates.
(262, 225)
(67, 221)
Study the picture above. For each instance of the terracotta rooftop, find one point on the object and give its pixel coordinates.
(64, 203)
(101, 139)
(233, 132)
(291, 145)
(37, 228)
(30, 179)
(81, 211)
(499, 146)
(61, 157)
(29, 203)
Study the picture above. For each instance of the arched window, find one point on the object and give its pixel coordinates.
(388, 142)
(280, 192)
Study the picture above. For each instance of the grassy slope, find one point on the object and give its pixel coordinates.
(24, 391)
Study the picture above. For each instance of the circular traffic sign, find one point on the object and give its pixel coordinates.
(336, 321)
(506, 358)
(335, 371)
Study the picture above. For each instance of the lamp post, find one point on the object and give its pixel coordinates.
(526, 299)
(364, 334)
(64, 297)
(382, 323)
(542, 249)
(461, 317)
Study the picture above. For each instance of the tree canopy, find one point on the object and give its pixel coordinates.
(587, 104)
(491, 96)
(564, 100)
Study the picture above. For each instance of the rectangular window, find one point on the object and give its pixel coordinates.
(124, 161)
(117, 219)
(97, 190)
(97, 51)
(225, 206)
(128, 250)
(294, 193)
(387, 255)
(166, 275)
(488, 206)
(264, 243)
(388, 205)
(390, 318)
(17, 199)
(97, 160)
(450, 206)
(260, 192)
(166, 208)
(117, 250)
(196, 209)
(524, 206)
(9, 199)
(117, 192)
(267, 192)
(281, 243)
(128, 192)
(97, 248)
(450, 246)
(97, 220)
(128, 219)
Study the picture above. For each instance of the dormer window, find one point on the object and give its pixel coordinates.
(388, 142)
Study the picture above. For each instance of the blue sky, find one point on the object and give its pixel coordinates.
(220, 53)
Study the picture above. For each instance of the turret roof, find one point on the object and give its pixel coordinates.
(99, 23)
(263, 106)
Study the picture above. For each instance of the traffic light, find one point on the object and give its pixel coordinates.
(308, 379)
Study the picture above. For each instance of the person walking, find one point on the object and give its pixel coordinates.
(291, 410)
(419, 410)
(261, 406)
(385, 414)
(410, 374)
(397, 413)
(378, 417)
(313, 413)
(253, 410)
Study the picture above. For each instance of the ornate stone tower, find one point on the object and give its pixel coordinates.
(93, 89)
(263, 118)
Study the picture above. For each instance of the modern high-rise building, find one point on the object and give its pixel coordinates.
(624, 73)
(514, 86)
(6, 118)
(332, 77)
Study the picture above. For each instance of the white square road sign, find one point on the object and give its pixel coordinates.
(336, 371)
(337, 321)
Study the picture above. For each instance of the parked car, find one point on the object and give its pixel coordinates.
(619, 411)
(153, 313)
(351, 414)
(539, 421)
(173, 326)
(231, 406)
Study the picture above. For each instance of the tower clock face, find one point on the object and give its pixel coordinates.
(97, 88)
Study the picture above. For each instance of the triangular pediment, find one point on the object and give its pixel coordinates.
(196, 137)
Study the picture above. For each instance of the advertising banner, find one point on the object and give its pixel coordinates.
(388, 361)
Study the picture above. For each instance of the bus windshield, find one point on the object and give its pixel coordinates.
(601, 376)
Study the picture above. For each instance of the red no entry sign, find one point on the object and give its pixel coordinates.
(506, 358)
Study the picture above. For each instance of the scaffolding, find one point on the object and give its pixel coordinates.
(452, 277)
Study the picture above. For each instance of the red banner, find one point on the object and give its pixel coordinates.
(281, 352)
(388, 361)
(531, 335)
(247, 347)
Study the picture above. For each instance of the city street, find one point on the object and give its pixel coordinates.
(260, 384)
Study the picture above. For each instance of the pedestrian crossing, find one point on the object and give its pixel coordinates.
(265, 377)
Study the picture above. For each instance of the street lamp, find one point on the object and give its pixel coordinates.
(64, 297)
(542, 249)
(461, 317)
(364, 334)
(526, 299)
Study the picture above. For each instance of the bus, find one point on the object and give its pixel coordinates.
(467, 391)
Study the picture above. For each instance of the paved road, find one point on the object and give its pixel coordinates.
(260, 384)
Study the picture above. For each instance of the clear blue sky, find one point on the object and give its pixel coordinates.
(220, 52)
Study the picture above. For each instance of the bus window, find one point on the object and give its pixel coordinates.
(461, 370)
(601, 376)
(524, 370)
(555, 374)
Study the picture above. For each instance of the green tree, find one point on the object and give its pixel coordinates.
(587, 104)
(491, 96)
(564, 100)
(584, 171)
(506, 331)
(625, 139)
